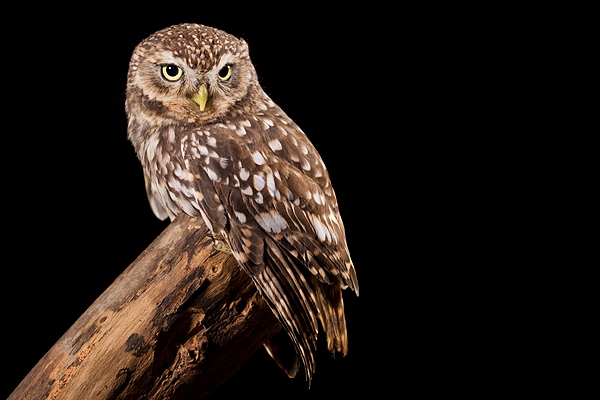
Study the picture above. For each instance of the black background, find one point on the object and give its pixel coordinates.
(365, 84)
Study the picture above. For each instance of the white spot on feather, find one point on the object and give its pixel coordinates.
(241, 217)
(259, 181)
(322, 232)
(318, 198)
(271, 185)
(203, 150)
(171, 135)
(271, 222)
(275, 145)
(267, 123)
(240, 131)
(180, 173)
(305, 165)
(211, 174)
(258, 158)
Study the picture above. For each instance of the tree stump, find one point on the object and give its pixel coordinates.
(179, 321)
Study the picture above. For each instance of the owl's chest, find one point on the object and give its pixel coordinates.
(158, 153)
(168, 179)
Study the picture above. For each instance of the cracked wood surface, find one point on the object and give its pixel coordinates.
(179, 321)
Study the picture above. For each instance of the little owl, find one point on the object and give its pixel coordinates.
(213, 144)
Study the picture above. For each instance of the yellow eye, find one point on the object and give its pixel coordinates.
(225, 73)
(171, 72)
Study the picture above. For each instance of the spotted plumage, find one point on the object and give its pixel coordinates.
(213, 144)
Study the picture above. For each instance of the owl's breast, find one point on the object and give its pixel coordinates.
(168, 182)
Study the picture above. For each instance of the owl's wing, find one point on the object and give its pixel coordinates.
(269, 182)
(283, 227)
(251, 192)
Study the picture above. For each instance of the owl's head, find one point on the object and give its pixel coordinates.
(190, 73)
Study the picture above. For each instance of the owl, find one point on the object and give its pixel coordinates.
(213, 144)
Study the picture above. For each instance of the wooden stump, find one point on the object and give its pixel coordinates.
(179, 321)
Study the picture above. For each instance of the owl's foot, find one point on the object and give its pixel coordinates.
(219, 243)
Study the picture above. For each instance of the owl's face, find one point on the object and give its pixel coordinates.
(190, 73)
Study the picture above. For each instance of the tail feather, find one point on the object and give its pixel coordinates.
(331, 314)
(301, 298)
(293, 301)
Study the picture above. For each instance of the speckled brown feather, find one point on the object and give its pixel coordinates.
(249, 171)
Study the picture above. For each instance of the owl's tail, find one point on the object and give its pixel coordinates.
(294, 302)
(300, 300)
(331, 314)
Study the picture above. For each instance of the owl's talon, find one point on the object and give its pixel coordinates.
(219, 243)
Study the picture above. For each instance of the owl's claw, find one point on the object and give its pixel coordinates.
(219, 243)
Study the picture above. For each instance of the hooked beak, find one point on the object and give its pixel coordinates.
(201, 97)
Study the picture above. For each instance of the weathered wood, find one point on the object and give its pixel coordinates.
(179, 321)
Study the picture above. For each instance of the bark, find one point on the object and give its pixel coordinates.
(179, 321)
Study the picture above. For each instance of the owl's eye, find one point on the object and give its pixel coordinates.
(171, 72)
(225, 73)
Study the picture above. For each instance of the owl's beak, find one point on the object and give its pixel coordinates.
(201, 97)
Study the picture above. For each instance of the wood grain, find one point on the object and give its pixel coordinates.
(179, 321)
